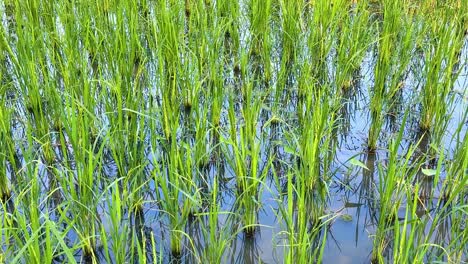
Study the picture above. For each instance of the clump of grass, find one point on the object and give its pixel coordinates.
(395, 45)
(118, 233)
(176, 188)
(291, 24)
(260, 19)
(79, 175)
(314, 142)
(6, 146)
(305, 233)
(324, 25)
(217, 233)
(353, 41)
(393, 181)
(439, 60)
(244, 155)
(176, 204)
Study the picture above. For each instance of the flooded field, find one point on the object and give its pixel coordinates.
(251, 131)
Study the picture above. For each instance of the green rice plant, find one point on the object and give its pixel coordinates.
(216, 235)
(353, 41)
(242, 70)
(214, 75)
(169, 193)
(229, 13)
(169, 112)
(176, 190)
(34, 237)
(291, 23)
(189, 174)
(395, 47)
(128, 152)
(405, 232)
(8, 9)
(197, 32)
(40, 243)
(168, 34)
(306, 236)
(30, 74)
(190, 83)
(412, 227)
(177, 218)
(324, 25)
(201, 151)
(193, 70)
(437, 237)
(31, 198)
(259, 17)
(173, 170)
(93, 132)
(33, 79)
(117, 236)
(202, 73)
(439, 60)
(242, 150)
(312, 148)
(81, 182)
(314, 144)
(394, 181)
(169, 171)
(7, 150)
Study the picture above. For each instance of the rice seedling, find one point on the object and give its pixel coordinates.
(169, 183)
(117, 236)
(214, 231)
(173, 175)
(243, 155)
(314, 142)
(88, 164)
(394, 53)
(353, 42)
(260, 19)
(291, 23)
(439, 60)
(8, 148)
(305, 235)
(392, 182)
(214, 74)
(201, 145)
(324, 25)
